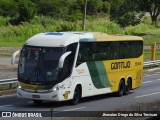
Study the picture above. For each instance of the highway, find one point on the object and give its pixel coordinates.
(149, 91)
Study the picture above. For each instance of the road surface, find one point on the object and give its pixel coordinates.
(149, 91)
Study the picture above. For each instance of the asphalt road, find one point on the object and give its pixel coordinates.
(149, 91)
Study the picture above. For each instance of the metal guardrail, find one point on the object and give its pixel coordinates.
(10, 82)
(149, 63)
(14, 80)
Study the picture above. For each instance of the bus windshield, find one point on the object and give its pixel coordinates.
(39, 64)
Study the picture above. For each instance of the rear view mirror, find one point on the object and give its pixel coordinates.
(13, 59)
(62, 59)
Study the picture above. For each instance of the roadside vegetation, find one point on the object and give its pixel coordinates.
(19, 20)
(14, 36)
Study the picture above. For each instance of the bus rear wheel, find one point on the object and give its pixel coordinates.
(121, 89)
(127, 87)
(76, 96)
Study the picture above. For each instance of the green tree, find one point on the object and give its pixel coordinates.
(115, 6)
(94, 6)
(106, 7)
(54, 8)
(126, 14)
(8, 8)
(27, 10)
(151, 6)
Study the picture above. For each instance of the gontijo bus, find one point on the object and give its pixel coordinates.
(59, 66)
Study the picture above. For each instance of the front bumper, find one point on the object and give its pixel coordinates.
(47, 96)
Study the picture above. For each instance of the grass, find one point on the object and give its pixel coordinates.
(6, 87)
(5, 53)
(152, 36)
(147, 55)
(13, 36)
(16, 35)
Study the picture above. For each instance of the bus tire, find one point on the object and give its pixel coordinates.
(121, 89)
(76, 96)
(37, 102)
(127, 87)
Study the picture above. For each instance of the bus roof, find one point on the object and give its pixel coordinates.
(60, 39)
(105, 37)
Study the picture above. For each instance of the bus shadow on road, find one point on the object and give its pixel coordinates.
(47, 104)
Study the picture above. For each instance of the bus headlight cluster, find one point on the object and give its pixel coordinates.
(55, 89)
(18, 85)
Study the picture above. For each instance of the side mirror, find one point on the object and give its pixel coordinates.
(62, 59)
(13, 59)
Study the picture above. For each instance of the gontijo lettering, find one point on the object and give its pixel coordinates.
(120, 65)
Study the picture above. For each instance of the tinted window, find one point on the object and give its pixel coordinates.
(95, 51)
(68, 63)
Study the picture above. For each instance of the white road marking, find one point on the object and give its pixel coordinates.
(147, 82)
(154, 74)
(153, 69)
(151, 81)
(6, 105)
(147, 95)
(70, 110)
(7, 95)
(74, 109)
(146, 75)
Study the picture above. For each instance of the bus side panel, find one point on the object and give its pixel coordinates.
(124, 69)
(82, 75)
(137, 82)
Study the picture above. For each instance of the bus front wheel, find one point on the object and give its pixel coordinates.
(76, 96)
(121, 88)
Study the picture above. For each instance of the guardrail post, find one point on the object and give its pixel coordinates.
(153, 51)
(10, 86)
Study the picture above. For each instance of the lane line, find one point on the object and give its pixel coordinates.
(149, 75)
(147, 95)
(152, 69)
(69, 110)
(6, 105)
(7, 95)
(151, 81)
(155, 74)
(147, 82)
(146, 75)
(74, 109)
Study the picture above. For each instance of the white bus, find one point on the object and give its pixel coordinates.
(60, 66)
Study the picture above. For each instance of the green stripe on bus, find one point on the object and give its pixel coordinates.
(87, 40)
(98, 74)
(94, 74)
(102, 74)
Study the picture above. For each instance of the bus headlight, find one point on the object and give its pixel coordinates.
(55, 89)
(18, 85)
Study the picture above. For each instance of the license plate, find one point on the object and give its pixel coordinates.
(35, 96)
